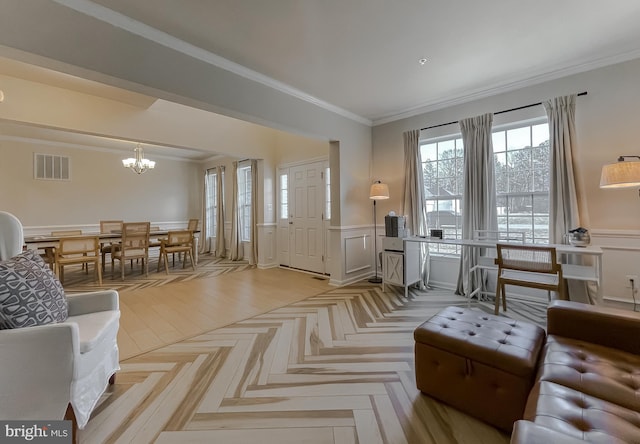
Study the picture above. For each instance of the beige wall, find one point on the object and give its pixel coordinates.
(100, 188)
(607, 126)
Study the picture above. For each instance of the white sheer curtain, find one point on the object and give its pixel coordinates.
(254, 212)
(564, 212)
(221, 249)
(236, 253)
(479, 210)
(413, 200)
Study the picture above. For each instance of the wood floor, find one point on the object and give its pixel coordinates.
(162, 315)
(334, 367)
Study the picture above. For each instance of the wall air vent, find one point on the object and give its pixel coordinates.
(49, 167)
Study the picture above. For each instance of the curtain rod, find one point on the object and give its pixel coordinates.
(499, 112)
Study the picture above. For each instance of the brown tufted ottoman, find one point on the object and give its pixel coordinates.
(481, 364)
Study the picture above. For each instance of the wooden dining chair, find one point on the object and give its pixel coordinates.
(528, 266)
(108, 227)
(49, 255)
(78, 250)
(134, 245)
(177, 242)
(193, 224)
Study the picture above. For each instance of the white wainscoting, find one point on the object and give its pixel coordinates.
(267, 245)
(45, 230)
(621, 257)
(355, 245)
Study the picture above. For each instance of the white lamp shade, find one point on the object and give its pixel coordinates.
(379, 191)
(622, 174)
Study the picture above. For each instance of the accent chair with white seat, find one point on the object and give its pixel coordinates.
(51, 368)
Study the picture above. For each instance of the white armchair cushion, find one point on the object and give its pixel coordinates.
(30, 294)
(93, 328)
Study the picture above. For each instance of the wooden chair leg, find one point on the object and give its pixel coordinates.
(99, 271)
(112, 379)
(166, 263)
(504, 298)
(71, 416)
(496, 309)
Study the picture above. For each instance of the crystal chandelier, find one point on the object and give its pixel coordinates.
(139, 164)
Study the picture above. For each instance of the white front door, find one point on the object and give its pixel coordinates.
(305, 219)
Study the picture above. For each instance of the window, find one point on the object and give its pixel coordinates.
(442, 166)
(521, 160)
(244, 202)
(212, 203)
(327, 191)
(284, 196)
(522, 180)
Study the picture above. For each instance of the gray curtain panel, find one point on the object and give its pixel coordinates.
(564, 213)
(479, 210)
(221, 248)
(413, 199)
(254, 212)
(236, 253)
(563, 202)
(205, 236)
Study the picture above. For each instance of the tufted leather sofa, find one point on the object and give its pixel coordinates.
(587, 388)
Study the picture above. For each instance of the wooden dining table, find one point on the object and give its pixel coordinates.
(43, 242)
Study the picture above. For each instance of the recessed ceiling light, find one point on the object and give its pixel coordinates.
(422, 61)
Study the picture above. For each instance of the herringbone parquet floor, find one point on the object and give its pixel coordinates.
(77, 280)
(334, 368)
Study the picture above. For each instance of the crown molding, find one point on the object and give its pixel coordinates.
(77, 146)
(469, 96)
(128, 24)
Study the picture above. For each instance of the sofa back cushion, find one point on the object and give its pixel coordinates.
(30, 294)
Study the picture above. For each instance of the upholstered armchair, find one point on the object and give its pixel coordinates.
(57, 354)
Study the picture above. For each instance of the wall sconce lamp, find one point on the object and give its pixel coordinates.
(622, 174)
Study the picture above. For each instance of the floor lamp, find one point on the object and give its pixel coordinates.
(379, 191)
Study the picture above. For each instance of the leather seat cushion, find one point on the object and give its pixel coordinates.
(497, 341)
(581, 416)
(606, 373)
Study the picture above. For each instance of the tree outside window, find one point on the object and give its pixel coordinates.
(521, 160)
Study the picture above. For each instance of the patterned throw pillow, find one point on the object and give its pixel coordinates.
(30, 294)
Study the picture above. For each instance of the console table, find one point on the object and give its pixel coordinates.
(392, 272)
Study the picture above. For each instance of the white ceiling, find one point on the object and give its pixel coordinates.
(362, 55)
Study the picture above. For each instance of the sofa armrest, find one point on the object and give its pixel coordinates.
(527, 432)
(84, 303)
(37, 370)
(610, 327)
